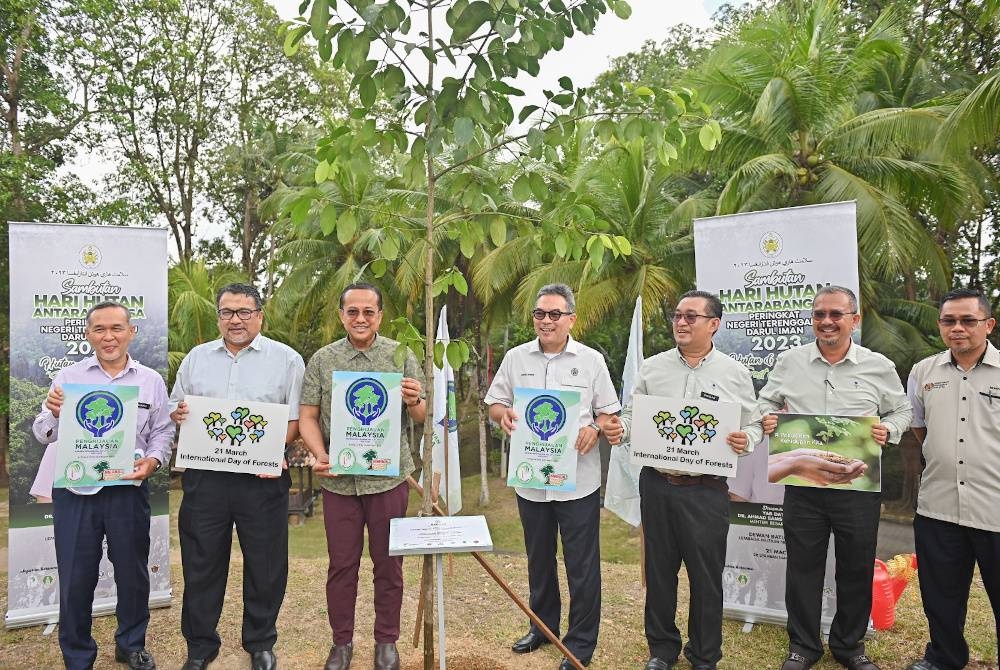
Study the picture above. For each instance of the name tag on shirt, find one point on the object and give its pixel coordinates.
(709, 396)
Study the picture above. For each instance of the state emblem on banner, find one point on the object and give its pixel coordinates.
(770, 244)
(90, 256)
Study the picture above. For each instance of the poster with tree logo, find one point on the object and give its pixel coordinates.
(366, 417)
(233, 436)
(96, 444)
(688, 435)
(542, 447)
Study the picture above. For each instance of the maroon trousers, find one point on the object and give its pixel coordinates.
(345, 518)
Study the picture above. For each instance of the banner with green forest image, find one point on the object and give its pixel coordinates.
(57, 272)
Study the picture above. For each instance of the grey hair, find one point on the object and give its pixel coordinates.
(843, 290)
(108, 304)
(561, 290)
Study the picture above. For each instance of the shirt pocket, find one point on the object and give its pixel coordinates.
(856, 402)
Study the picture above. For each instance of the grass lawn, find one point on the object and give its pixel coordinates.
(482, 622)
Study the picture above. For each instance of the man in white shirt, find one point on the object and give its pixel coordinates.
(685, 517)
(833, 376)
(555, 360)
(242, 365)
(956, 417)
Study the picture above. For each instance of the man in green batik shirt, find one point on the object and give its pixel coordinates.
(350, 503)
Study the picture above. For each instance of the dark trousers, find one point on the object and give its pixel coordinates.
(578, 523)
(810, 516)
(346, 518)
(946, 555)
(689, 524)
(213, 503)
(81, 523)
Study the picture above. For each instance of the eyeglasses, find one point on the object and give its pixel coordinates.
(966, 321)
(354, 312)
(691, 318)
(244, 314)
(835, 315)
(555, 314)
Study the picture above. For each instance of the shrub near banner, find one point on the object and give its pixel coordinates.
(57, 272)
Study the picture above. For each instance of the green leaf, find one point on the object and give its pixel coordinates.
(460, 283)
(300, 210)
(622, 9)
(399, 355)
(474, 16)
(454, 354)
(538, 186)
(566, 83)
(467, 244)
(521, 191)
(439, 354)
(624, 245)
(293, 40)
(596, 255)
(605, 130)
(367, 91)
(464, 348)
(389, 247)
(562, 245)
(319, 17)
(379, 266)
(707, 138)
(322, 172)
(328, 219)
(347, 226)
(498, 231)
(526, 112)
(464, 129)
(535, 137)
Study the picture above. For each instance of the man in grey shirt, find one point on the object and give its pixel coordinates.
(833, 376)
(242, 365)
(685, 517)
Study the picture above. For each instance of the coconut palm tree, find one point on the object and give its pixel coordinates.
(807, 119)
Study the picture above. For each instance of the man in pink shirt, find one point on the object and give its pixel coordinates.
(84, 517)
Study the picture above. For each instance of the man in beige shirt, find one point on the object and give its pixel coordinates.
(686, 517)
(833, 376)
(956, 416)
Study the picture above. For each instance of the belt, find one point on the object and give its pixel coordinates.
(709, 481)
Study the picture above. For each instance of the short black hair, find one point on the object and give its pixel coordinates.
(362, 286)
(240, 289)
(962, 293)
(712, 302)
(107, 304)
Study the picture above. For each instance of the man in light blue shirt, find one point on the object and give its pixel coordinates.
(242, 365)
(84, 517)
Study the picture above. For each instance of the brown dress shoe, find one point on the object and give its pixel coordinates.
(386, 656)
(340, 657)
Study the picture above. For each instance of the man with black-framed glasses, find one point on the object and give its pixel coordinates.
(555, 360)
(833, 376)
(956, 417)
(242, 365)
(685, 517)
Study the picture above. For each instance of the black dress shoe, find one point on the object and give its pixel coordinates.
(340, 657)
(138, 659)
(922, 664)
(796, 662)
(657, 663)
(567, 665)
(860, 662)
(529, 642)
(263, 660)
(386, 656)
(199, 663)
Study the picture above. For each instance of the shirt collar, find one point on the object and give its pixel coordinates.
(376, 344)
(572, 346)
(91, 362)
(705, 359)
(815, 353)
(990, 356)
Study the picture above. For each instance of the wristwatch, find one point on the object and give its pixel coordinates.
(596, 426)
